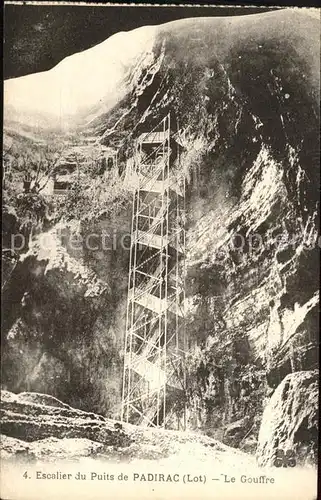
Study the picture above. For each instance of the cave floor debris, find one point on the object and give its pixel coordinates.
(39, 428)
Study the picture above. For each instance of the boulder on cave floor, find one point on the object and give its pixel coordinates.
(290, 420)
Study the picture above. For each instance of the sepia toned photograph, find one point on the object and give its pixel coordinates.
(160, 252)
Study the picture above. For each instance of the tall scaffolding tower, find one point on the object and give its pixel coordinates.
(154, 369)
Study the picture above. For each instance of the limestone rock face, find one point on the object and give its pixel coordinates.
(58, 332)
(290, 419)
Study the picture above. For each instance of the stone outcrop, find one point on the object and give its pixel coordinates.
(290, 420)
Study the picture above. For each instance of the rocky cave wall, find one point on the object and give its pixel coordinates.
(64, 316)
